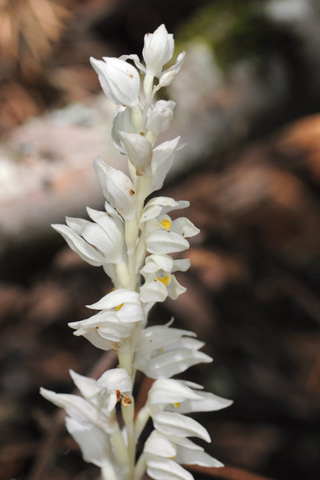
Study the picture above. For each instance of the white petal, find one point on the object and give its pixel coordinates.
(117, 188)
(94, 235)
(158, 444)
(171, 363)
(122, 122)
(158, 49)
(162, 242)
(116, 298)
(119, 80)
(175, 289)
(163, 469)
(153, 291)
(157, 262)
(170, 423)
(75, 406)
(159, 336)
(93, 441)
(168, 75)
(207, 402)
(170, 391)
(196, 457)
(162, 160)
(87, 386)
(160, 116)
(111, 224)
(87, 252)
(181, 265)
(139, 151)
(184, 227)
(136, 61)
(116, 379)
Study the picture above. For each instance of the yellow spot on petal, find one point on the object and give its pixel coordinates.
(119, 307)
(166, 224)
(177, 404)
(165, 280)
(161, 349)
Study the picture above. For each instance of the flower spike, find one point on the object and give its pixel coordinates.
(133, 239)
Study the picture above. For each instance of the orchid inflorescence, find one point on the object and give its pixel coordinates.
(132, 240)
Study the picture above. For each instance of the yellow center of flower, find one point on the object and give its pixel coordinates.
(165, 280)
(166, 224)
(119, 307)
(177, 404)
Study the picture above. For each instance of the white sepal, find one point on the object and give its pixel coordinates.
(161, 242)
(116, 298)
(159, 205)
(158, 444)
(104, 330)
(119, 80)
(158, 50)
(207, 402)
(117, 188)
(187, 456)
(116, 379)
(94, 443)
(165, 469)
(139, 151)
(159, 117)
(85, 251)
(168, 75)
(153, 291)
(167, 391)
(87, 386)
(170, 423)
(122, 122)
(162, 160)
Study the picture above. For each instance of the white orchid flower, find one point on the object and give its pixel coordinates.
(139, 151)
(96, 243)
(163, 352)
(126, 120)
(117, 188)
(159, 279)
(164, 235)
(160, 116)
(120, 311)
(119, 80)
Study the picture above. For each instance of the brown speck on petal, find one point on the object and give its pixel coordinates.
(132, 192)
(126, 401)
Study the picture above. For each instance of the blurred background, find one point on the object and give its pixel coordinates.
(248, 103)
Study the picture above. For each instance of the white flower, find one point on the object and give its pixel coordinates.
(139, 151)
(119, 80)
(114, 383)
(158, 50)
(124, 121)
(183, 397)
(97, 243)
(158, 205)
(162, 235)
(117, 188)
(159, 279)
(162, 160)
(159, 117)
(163, 352)
(120, 311)
(91, 420)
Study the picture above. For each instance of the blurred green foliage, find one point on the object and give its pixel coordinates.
(237, 30)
